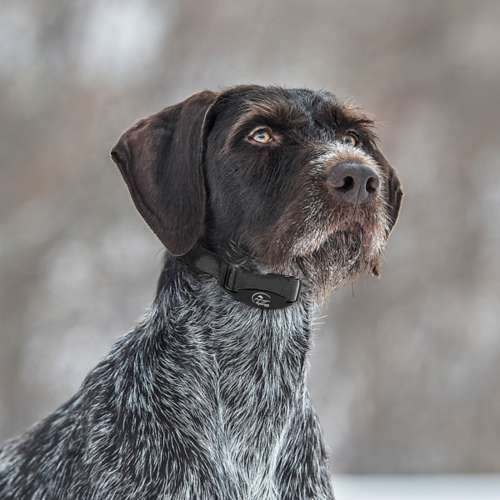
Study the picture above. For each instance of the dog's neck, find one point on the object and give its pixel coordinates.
(242, 367)
(179, 287)
(262, 290)
(243, 341)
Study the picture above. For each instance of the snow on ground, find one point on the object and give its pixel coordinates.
(450, 487)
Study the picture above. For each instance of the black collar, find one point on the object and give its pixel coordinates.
(265, 291)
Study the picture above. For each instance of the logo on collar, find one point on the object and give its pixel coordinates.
(261, 299)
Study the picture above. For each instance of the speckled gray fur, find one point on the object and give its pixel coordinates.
(193, 404)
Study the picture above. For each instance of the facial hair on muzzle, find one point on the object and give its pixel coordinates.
(339, 259)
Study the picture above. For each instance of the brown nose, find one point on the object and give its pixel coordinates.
(353, 182)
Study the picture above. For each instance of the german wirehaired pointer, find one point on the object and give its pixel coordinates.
(265, 199)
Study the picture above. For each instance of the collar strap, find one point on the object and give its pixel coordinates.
(265, 291)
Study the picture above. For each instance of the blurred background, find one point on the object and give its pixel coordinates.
(405, 371)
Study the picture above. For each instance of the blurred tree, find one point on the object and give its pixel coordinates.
(405, 371)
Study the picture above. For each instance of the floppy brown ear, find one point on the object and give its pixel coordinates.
(393, 191)
(160, 158)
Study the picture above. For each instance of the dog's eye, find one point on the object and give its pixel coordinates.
(350, 138)
(261, 135)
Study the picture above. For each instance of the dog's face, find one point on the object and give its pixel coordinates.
(291, 178)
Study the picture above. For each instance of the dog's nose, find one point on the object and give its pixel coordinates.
(353, 182)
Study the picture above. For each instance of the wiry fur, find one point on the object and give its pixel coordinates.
(206, 399)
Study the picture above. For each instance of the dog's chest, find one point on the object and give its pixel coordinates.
(259, 386)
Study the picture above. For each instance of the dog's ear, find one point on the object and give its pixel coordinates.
(393, 195)
(393, 190)
(161, 158)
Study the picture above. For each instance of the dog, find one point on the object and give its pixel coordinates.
(266, 199)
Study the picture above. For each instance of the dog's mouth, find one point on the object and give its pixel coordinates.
(349, 249)
(328, 246)
(361, 226)
(364, 224)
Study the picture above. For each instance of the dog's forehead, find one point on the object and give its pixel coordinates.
(296, 105)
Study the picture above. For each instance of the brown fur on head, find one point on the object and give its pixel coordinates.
(198, 173)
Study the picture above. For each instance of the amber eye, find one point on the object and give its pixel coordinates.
(262, 135)
(350, 139)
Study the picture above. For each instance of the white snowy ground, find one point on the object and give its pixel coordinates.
(452, 487)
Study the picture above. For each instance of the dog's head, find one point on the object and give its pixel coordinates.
(289, 178)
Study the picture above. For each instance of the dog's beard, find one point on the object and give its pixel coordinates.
(342, 257)
(330, 251)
